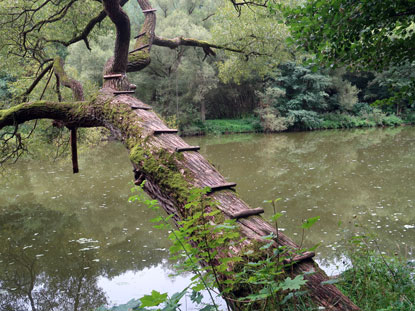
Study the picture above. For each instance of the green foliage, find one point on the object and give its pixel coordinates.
(87, 64)
(378, 282)
(369, 34)
(32, 32)
(223, 126)
(303, 89)
(203, 245)
(4, 88)
(255, 31)
(399, 83)
(153, 300)
(346, 94)
(271, 121)
(340, 120)
(305, 119)
(409, 118)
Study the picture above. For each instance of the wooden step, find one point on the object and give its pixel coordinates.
(113, 76)
(228, 185)
(133, 106)
(140, 48)
(299, 258)
(139, 35)
(190, 148)
(123, 92)
(165, 131)
(247, 213)
(149, 10)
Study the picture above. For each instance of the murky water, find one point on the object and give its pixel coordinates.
(68, 238)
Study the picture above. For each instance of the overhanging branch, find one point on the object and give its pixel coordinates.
(72, 113)
(181, 41)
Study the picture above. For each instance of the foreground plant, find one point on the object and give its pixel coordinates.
(376, 281)
(196, 244)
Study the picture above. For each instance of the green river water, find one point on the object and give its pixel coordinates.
(67, 238)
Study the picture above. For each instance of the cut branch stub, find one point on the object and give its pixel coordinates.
(190, 148)
(139, 35)
(247, 213)
(165, 131)
(149, 11)
(140, 48)
(116, 81)
(140, 107)
(113, 76)
(299, 258)
(123, 92)
(228, 185)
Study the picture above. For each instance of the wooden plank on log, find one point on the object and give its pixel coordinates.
(140, 48)
(123, 92)
(247, 213)
(113, 76)
(133, 106)
(140, 35)
(149, 10)
(299, 258)
(228, 185)
(165, 131)
(190, 148)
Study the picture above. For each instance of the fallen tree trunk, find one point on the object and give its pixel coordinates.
(198, 172)
(171, 168)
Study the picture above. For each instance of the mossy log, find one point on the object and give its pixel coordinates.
(170, 175)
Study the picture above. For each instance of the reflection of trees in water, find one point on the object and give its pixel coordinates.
(49, 212)
(40, 269)
(349, 176)
(49, 262)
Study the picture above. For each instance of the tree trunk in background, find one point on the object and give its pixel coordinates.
(203, 111)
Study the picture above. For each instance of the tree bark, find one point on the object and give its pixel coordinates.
(122, 42)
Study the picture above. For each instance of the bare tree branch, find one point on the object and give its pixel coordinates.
(36, 81)
(181, 41)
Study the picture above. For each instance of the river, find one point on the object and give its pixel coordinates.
(66, 237)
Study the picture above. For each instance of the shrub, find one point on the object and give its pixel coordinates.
(271, 121)
(305, 119)
(409, 118)
(361, 108)
(392, 120)
(342, 120)
(377, 282)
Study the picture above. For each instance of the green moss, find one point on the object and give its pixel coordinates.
(138, 56)
(163, 170)
(143, 40)
(58, 68)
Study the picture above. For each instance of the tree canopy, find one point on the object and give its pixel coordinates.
(365, 34)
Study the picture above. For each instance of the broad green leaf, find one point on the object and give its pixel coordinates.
(310, 222)
(293, 284)
(153, 300)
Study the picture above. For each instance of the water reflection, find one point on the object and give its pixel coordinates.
(74, 242)
(357, 181)
(63, 237)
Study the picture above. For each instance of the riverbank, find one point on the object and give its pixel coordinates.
(319, 122)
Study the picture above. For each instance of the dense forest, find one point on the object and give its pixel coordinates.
(264, 82)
